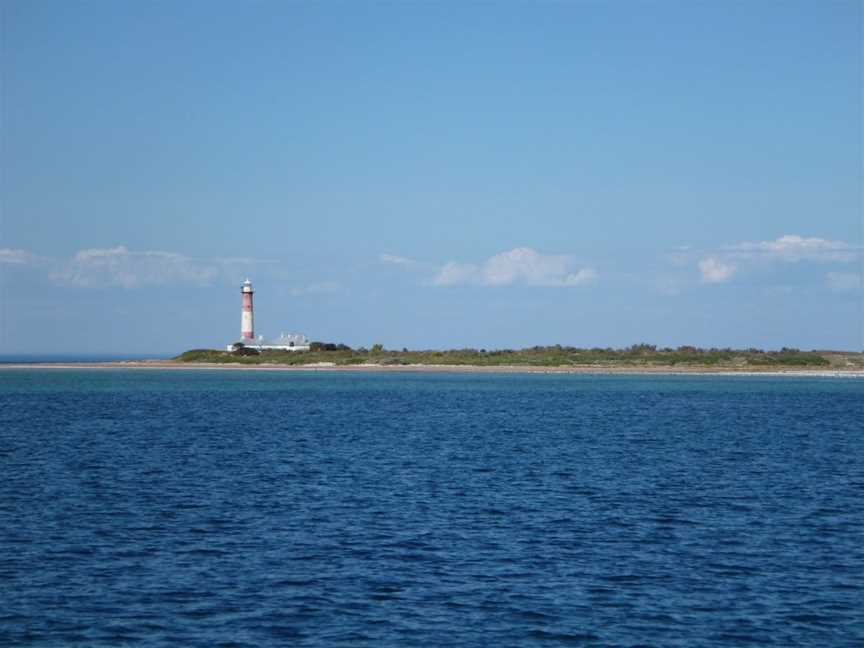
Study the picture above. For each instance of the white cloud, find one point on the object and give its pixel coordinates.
(845, 282)
(718, 266)
(396, 260)
(453, 273)
(517, 266)
(581, 276)
(11, 256)
(793, 248)
(715, 271)
(119, 266)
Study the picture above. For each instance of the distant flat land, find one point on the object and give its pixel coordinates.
(642, 359)
(421, 368)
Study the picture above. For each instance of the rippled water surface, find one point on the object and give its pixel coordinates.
(216, 508)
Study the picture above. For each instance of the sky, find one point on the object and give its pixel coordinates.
(431, 174)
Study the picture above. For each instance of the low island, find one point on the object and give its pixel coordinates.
(636, 359)
(639, 358)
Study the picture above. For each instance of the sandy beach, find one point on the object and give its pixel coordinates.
(432, 368)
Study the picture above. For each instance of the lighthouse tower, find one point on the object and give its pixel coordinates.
(247, 331)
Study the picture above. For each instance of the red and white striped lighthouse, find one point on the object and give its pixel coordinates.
(247, 331)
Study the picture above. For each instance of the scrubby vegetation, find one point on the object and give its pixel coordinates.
(638, 355)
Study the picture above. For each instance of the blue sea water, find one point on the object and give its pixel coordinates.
(219, 508)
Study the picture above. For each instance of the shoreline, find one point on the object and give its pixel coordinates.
(432, 368)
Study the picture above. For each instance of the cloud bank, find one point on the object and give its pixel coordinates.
(9, 256)
(721, 265)
(118, 266)
(121, 267)
(793, 248)
(397, 260)
(714, 271)
(522, 265)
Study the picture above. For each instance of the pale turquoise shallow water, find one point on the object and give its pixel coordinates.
(203, 508)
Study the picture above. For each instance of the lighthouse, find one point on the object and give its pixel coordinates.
(285, 342)
(247, 330)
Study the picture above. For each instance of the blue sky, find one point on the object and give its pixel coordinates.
(431, 174)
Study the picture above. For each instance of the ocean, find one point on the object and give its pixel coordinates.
(217, 508)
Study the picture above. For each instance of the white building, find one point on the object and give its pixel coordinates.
(285, 342)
